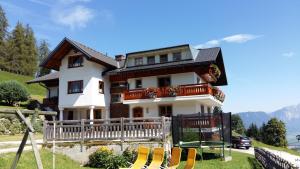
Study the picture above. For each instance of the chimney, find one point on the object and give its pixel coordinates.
(119, 59)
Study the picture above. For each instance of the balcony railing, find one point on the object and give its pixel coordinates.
(182, 90)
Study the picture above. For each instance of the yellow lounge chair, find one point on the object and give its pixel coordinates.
(175, 158)
(158, 158)
(190, 162)
(141, 160)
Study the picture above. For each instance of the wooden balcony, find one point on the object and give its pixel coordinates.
(182, 90)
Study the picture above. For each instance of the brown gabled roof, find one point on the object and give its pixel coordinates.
(48, 77)
(54, 58)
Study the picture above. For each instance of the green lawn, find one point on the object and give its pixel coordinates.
(18, 137)
(239, 161)
(260, 144)
(27, 161)
(35, 90)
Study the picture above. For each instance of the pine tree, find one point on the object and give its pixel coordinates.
(31, 53)
(17, 49)
(253, 131)
(43, 52)
(3, 35)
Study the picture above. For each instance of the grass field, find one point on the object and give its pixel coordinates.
(27, 161)
(35, 90)
(240, 161)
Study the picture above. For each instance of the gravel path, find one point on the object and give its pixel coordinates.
(287, 156)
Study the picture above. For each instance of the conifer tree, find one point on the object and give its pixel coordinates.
(17, 49)
(43, 52)
(3, 35)
(31, 53)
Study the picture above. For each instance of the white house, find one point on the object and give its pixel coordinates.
(158, 82)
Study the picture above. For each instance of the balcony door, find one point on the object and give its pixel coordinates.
(164, 81)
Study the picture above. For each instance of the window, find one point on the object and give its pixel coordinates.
(177, 56)
(165, 110)
(138, 83)
(163, 58)
(208, 110)
(75, 86)
(70, 115)
(138, 61)
(97, 114)
(101, 87)
(116, 98)
(164, 81)
(75, 61)
(150, 60)
(202, 109)
(118, 84)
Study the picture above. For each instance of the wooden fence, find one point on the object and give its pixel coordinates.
(272, 161)
(109, 129)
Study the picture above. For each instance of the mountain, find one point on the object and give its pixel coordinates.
(290, 115)
(257, 118)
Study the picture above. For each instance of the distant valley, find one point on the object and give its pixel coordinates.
(290, 115)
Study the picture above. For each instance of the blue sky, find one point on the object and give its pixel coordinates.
(259, 39)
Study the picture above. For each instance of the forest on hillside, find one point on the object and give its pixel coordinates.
(20, 52)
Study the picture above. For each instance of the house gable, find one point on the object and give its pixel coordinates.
(53, 61)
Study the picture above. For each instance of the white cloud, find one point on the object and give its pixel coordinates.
(288, 54)
(240, 38)
(237, 38)
(72, 1)
(73, 17)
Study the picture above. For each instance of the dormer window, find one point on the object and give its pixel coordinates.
(75, 61)
(138, 61)
(150, 60)
(163, 58)
(177, 56)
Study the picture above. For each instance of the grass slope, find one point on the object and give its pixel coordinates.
(239, 161)
(36, 91)
(256, 143)
(27, 161)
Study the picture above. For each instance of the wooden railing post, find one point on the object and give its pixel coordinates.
(163, 123)
(82, 134)
(45, 131)
(122, 133)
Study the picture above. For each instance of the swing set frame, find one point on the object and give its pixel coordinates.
(29, 132)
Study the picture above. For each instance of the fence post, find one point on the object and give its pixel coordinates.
(82, 134)
(45, 131)
(122, 133)
(163, 120)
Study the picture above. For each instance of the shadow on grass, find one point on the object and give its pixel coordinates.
(254, 163)
(206, 155)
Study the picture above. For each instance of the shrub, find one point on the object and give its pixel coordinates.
(2, 128)
(104, 158)
(12, 92)
(15, 127)
(38, 125)
(129, 155)
(33, 104)
(5, 122)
